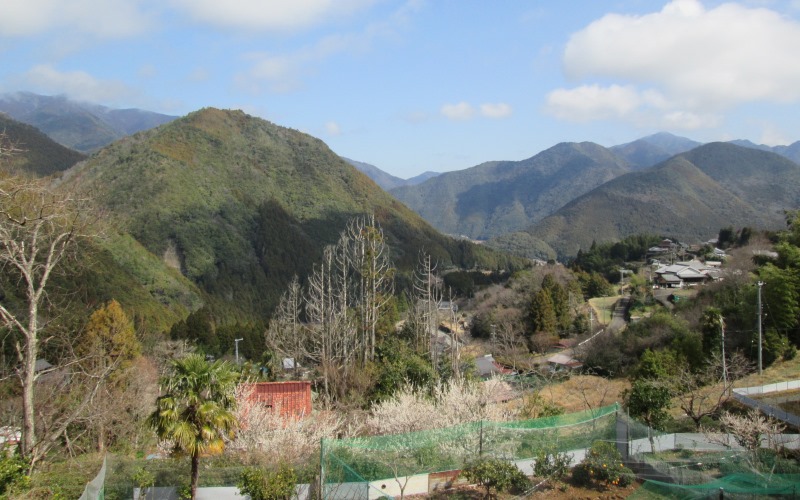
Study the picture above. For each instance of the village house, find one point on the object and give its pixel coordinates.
(681, 274)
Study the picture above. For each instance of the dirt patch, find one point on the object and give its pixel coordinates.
(582, 392)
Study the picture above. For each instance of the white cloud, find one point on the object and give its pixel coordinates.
(647, 108)
(268, 15)
(772, 136)
(332, 128)
(687, 62)
(101, 18)
(461, 111)
(496, 110)
(77, 85)
(285, 72)
(593, 102)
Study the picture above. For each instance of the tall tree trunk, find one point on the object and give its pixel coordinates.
(28, 380)
(195, 472)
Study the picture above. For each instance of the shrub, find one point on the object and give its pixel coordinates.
(551, 464)
(495, 473)
(268, 485)
(603, 464)
(12, 472)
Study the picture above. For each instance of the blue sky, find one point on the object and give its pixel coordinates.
(416, 85)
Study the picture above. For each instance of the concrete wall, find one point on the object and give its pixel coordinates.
(743, 396)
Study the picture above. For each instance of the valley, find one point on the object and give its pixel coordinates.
(221, 241)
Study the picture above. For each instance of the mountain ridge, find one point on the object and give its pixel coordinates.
(240, 205)
(689, 196)
(82, 126)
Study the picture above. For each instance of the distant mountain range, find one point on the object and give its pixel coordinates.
(168, 181)
(387, 181)
(81, 126)
(573, 193)
(690, 196)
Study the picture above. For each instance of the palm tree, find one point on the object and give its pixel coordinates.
(196, 411)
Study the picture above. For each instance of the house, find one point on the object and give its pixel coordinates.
(499, 391)
(688, 273)
(487, 367)
(10, 438)
(563, 362)
(292, 399)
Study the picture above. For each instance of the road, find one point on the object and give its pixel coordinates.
(618, 321)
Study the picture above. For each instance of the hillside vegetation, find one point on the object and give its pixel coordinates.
(81, 126)
(37, 153)
(689, 196)
(240, 205)
(496, 198)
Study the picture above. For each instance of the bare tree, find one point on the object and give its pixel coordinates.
(426, 300)
(374, 275)
(39, 228)
(342, 304)
(752, 432)
(704, 394)
(332, 330)
(285, 333)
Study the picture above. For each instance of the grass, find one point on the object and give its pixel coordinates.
(584, 391)
(604, 307)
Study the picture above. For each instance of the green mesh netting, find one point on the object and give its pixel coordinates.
(688, 474)
(361, 460)
(733, 486)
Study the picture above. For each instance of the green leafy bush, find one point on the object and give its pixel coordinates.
(263, 484)
(551, 464)
(12, 473)
(603, 464)
(495, 473)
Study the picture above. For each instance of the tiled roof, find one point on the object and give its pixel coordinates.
(293, 399)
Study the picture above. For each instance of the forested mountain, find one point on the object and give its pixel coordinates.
(239, 205)
(36, 154)
(690, 196)
(792, 151)
(81, 126)
(499, 197)
(653, 149)
(385, 180)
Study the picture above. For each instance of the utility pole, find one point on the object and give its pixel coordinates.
(760, 366)
(236, 346)
(724, 363)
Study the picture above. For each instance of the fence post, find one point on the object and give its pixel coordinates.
(322, 468)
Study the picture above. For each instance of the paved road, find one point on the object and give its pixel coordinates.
(618, 322)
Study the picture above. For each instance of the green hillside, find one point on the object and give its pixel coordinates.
(496, 198)
(690, 196)
(39, 155)
(78, 125)
(239, 205)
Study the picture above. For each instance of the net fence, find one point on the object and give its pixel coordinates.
(352, 465)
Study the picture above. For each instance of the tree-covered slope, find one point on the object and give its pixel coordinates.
(239, 205)
(37, 154)
(81, 126)
(500, 197)
(690, 196)
(654, 149)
